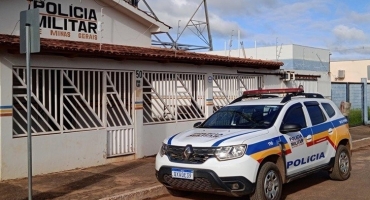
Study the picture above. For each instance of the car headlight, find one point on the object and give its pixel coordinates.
(230, 152)
(163, 150)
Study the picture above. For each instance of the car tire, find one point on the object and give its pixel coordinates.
(269, 183)
(342, 165)
(178, 193)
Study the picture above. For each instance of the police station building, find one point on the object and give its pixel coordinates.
(100, 92)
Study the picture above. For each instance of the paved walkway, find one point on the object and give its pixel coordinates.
(123, 180)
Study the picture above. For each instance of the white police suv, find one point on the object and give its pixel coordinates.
(252, 147)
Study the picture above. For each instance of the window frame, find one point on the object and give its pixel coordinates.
(312, 104)
(329, 104)
(295, 106)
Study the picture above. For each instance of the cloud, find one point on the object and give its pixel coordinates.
(355, 17)
(177, 14)
(325, 24)
(241, 8)
(345, 34)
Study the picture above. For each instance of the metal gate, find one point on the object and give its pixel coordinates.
(358, 95)
(120, 125)
(72, 100)
(226, 88)
(171, 97)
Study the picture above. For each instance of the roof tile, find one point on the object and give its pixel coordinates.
(138, 53)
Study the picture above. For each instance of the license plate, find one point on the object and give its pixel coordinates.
(183, 173)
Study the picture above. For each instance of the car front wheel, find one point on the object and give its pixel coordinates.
(269, 183)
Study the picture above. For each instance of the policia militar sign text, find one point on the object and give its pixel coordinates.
(71, 19)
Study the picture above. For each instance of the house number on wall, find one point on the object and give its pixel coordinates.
(139, 77)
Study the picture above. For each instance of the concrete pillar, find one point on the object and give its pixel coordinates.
(6, 109)
(209, 95)
(364, 102)
(138, 99)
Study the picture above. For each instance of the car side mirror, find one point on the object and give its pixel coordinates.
(288, 128)
(196, 125)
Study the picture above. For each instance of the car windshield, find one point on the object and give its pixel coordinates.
(243, 117)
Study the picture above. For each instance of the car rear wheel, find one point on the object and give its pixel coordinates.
(342, 166)
(269, 183)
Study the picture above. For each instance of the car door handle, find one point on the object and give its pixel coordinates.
(308, 138)
(330, 131)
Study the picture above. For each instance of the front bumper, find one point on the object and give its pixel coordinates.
(206, 181)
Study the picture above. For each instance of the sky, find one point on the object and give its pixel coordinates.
(341, 26)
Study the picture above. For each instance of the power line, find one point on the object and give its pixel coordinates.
(351, 49)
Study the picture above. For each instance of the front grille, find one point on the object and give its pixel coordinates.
(200, 155)
(198, 184)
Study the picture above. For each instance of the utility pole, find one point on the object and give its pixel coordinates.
(29, 43)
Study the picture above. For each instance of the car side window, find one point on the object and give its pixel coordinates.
(328, 109)
(316, 114)
(295, 115)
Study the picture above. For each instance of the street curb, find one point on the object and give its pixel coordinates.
(357, 144)
(145, 193)
(158, 190)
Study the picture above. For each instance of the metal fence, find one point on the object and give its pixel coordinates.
(72, 100)
(353, 93)
(227, 87)
(171, 97)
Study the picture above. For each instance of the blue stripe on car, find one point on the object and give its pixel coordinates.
(283, 140)
(220, 141)
(306, 131)
(263, 145)
(321, 128)
(316, 129)
(170, 140)
(340, 122)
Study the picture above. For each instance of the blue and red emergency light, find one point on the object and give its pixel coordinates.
(273, 91)
(270, 93)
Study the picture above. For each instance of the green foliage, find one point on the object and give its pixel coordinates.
(355, 117)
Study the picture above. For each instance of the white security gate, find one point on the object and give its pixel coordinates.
(170, 97)
(121, 135)
(226, 88)
(72, 100)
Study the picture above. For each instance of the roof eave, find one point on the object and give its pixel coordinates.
(138, 15)
(121, 52)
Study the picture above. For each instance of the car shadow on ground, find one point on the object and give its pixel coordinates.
(288, 189)
(305, 182)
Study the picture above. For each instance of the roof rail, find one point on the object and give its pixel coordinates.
(268, 93)
(306, 95)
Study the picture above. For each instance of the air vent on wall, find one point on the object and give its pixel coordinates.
(341, 73)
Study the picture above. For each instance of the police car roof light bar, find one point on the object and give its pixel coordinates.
(269, 93)
(252, 93)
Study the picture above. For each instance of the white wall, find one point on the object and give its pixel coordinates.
(311, 59)
(52, 153)
(153, 135)
(321, 86)
(117, 28)
(262, 53)
(59, 152)
(354, 70)
(295, 57)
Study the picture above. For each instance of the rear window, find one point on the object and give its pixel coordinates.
(316, 114)
(328, 109)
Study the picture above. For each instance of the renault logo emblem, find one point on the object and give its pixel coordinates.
(188, 152)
